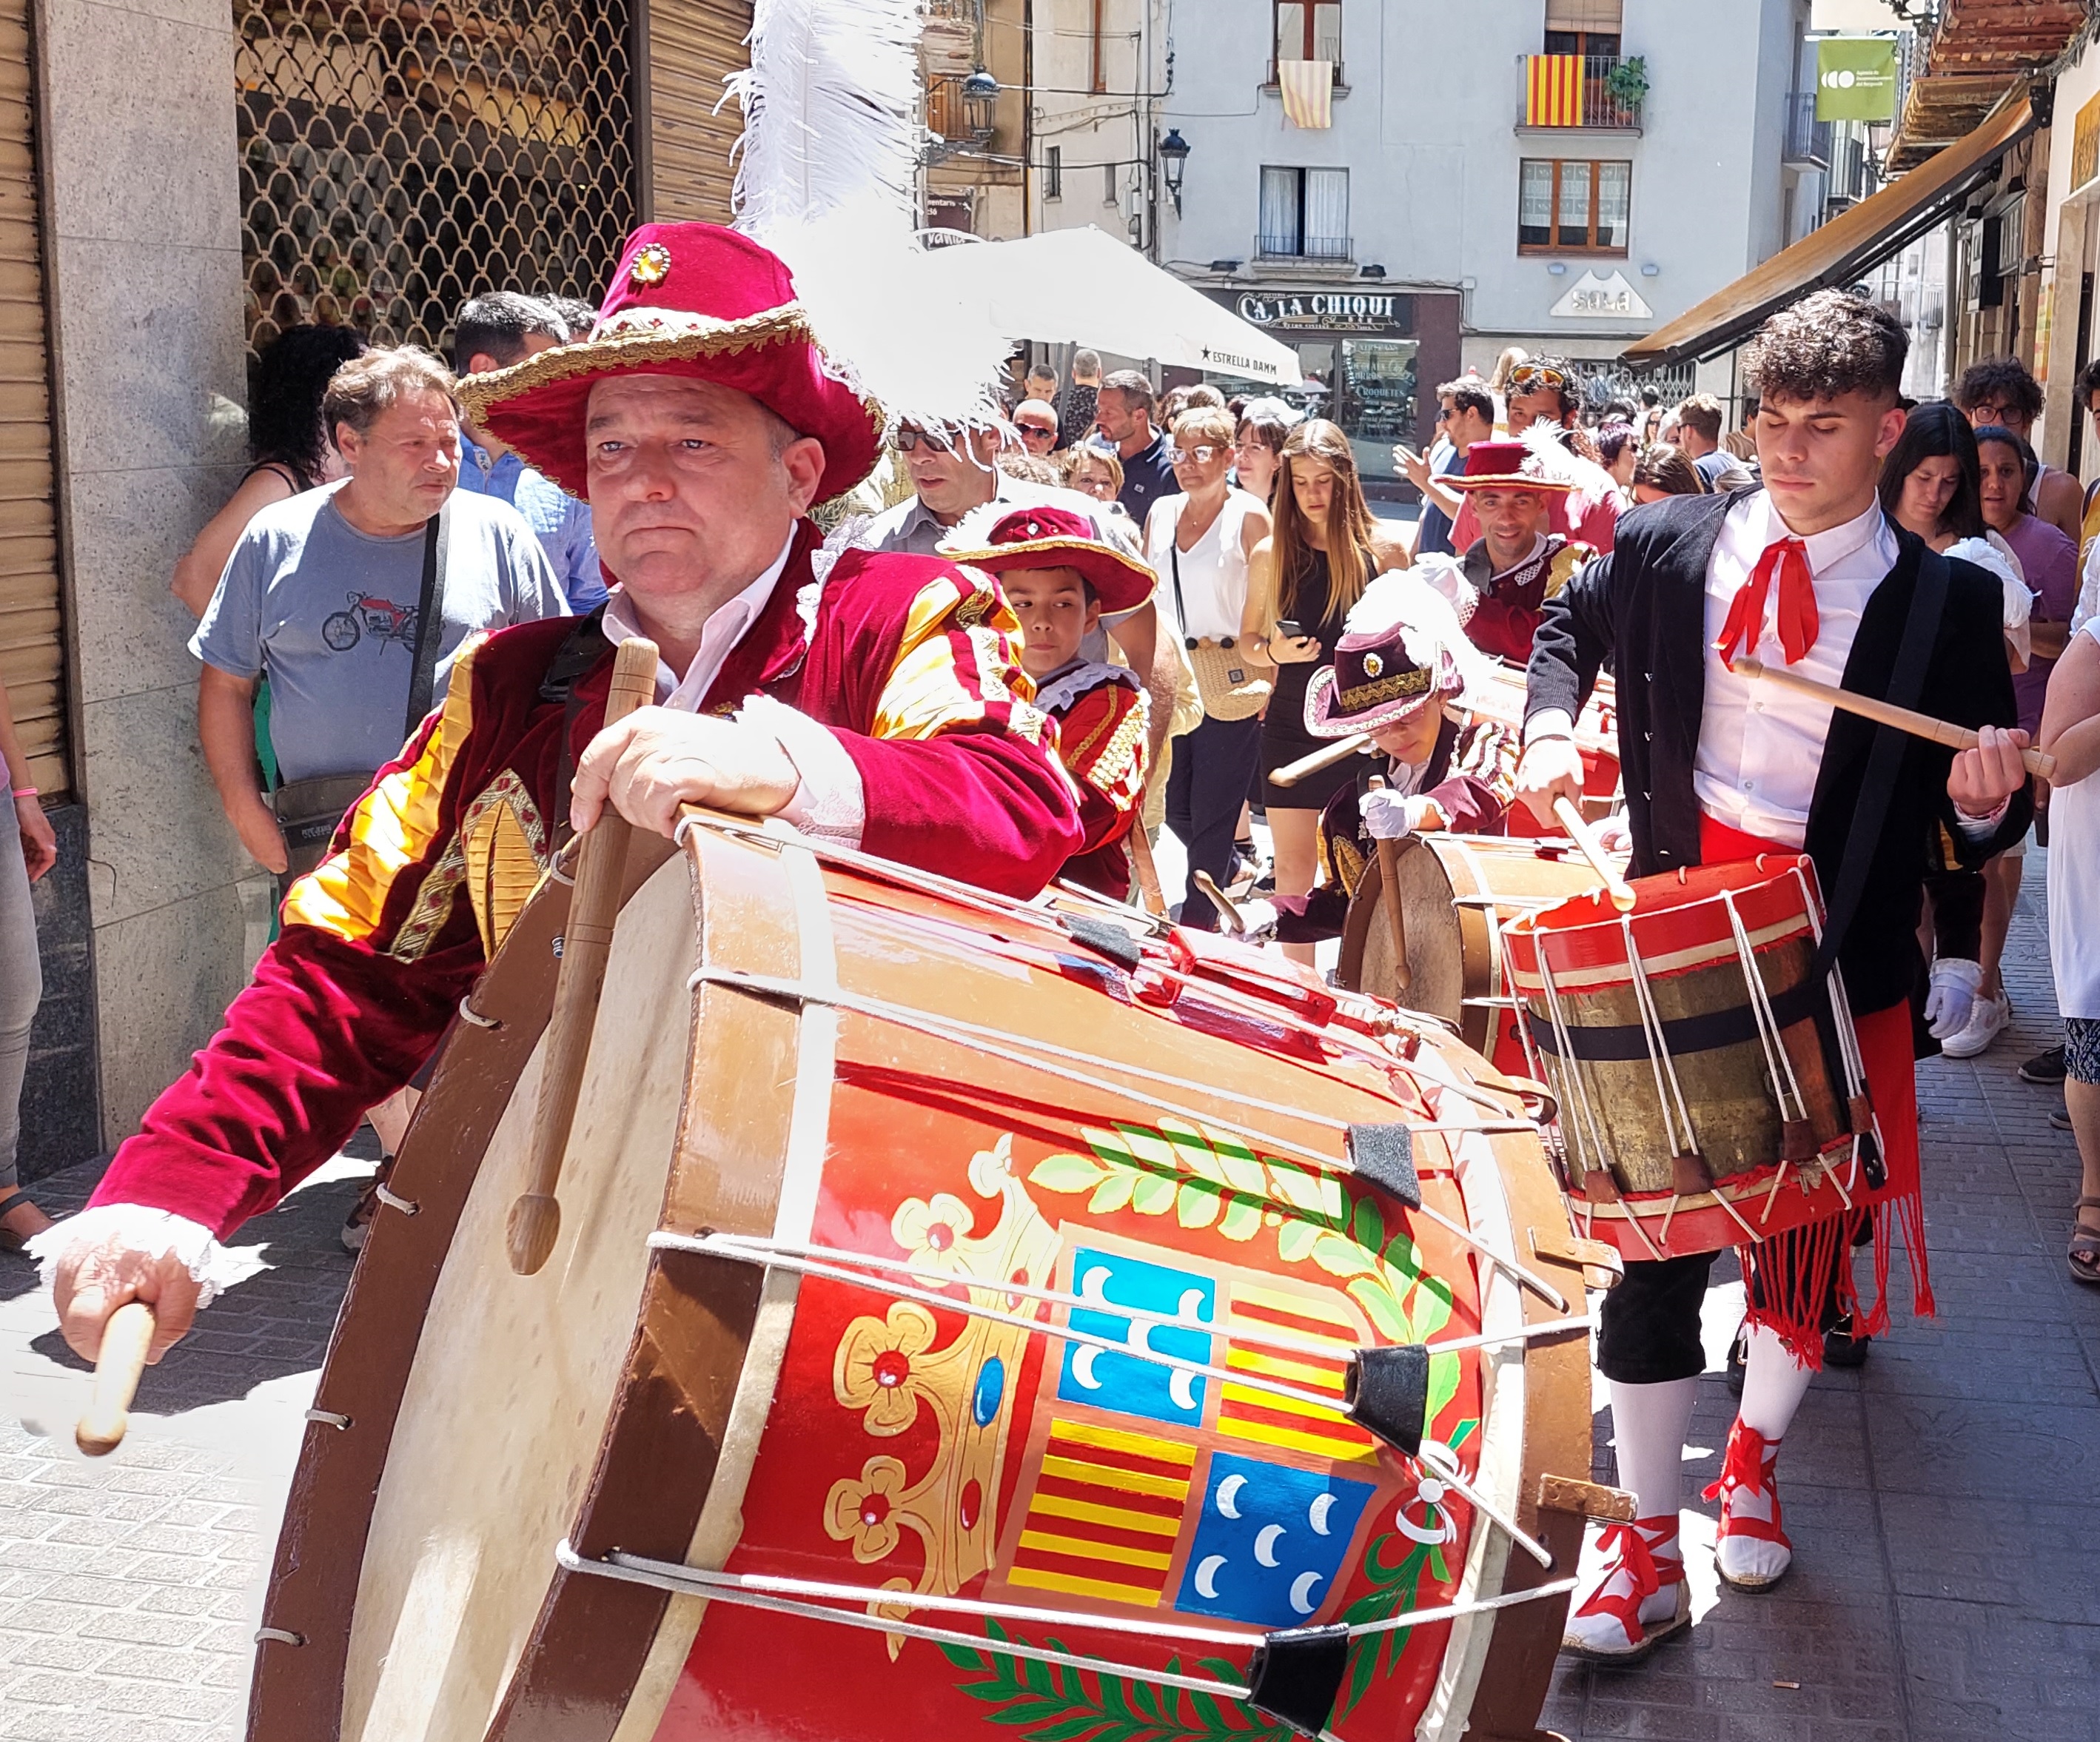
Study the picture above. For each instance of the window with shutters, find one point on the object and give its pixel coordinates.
(1573, 206)
(396, 158)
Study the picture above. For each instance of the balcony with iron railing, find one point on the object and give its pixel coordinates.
(1807, 139)
(1581, 90)
(1303, 247)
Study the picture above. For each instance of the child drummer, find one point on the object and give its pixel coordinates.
(1401, 669)
(1807, 571)
(1060, 577)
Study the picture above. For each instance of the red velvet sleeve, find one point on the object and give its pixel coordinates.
(379, 945)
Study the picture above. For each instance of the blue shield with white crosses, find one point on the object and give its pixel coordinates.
(1270, 1541)
(1130, 1383)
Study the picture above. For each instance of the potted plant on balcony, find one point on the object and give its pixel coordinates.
(1627, 82)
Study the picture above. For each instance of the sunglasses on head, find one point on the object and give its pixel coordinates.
(1202, 454)
(908, 439)
(1526, 376)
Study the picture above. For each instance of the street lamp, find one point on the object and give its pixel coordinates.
(980, 92)
(1173, 159)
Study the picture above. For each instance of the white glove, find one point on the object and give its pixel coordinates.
(1614, 833)
(1257, 921)
(1952, 996)
(1389, 816)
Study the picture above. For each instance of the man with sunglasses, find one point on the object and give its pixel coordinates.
(1037, 422)
(1466, 414)
(1547, 392)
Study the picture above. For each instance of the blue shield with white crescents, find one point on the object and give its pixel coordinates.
(1270, 1541)
(1129, 1383)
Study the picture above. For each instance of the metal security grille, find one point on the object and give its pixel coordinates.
(396, 157)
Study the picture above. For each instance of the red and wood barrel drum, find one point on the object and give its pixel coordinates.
(1710, 1092)
(967, 1319)
(1455, 893)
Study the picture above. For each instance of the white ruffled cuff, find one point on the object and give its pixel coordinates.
(830, 803)
(160, 1233)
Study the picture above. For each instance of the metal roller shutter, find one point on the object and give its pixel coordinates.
(32, 660)
(693, 46)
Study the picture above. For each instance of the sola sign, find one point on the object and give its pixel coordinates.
(1327, 310)
(1603, 298)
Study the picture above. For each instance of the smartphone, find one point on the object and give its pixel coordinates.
(1288, 627)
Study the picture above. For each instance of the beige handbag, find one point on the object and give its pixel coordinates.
(1225, 678)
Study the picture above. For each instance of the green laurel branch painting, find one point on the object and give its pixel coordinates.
(1064, 1703)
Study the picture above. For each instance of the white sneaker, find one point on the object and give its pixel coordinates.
(1631, 1593)
(1986, 1022)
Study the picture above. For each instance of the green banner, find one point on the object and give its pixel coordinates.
(1855, 78)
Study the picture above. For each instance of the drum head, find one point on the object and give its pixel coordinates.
(514, 1377)
(1435, 955)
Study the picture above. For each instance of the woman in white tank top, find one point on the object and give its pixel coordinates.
(1198, 543)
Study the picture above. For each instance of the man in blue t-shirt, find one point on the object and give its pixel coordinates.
(493, 332)
(323, 593)
(1466, 414)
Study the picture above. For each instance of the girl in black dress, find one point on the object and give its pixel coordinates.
(1322, 553)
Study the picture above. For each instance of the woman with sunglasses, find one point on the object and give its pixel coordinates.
(1325, 551)
(1199, 544)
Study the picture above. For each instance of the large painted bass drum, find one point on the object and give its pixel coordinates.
(968, 1319)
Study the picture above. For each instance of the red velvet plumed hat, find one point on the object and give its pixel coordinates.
(694, 300)
(1044, 537)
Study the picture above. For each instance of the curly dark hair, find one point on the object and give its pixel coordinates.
(2002, 381)
(1827, 345)
(285, 395)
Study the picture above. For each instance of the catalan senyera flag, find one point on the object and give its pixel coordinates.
(1263, 1418)
(1308, 90)
(1553, 91)
(1104, 1514)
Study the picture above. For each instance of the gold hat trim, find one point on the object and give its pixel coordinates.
(1396, 688)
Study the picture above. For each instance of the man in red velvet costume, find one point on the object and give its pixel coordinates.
(1061, 577)
(877, 702)
(1807, 573)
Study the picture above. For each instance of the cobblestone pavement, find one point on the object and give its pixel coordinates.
(1938, 1499)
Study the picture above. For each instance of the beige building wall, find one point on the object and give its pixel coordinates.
(145, 270)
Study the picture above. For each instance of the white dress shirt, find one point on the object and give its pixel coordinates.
(1760, 745)
(829, 801)
(728, 625)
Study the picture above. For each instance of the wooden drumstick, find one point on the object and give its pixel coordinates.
(536, 1217)
(1219, 899)
(1388, 858)
(1327, 756)
(125, 1337)
(1585, 840)
(1148, 873)
(1886, 714)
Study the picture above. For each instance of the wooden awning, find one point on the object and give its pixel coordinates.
(1855, 241)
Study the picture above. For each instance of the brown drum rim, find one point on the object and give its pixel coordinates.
(302, 1648)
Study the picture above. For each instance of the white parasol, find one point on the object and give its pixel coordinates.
(1083, 286)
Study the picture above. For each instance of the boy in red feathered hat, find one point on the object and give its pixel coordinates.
(1060, 578)
(876, 701)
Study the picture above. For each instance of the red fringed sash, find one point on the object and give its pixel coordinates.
(1786, 1276)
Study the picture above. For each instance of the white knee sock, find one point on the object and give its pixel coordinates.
(1774, 1383)
(1648, 1426)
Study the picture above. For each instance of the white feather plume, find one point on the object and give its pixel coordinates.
(1561, 463)
(827, 104)
(825, 179)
